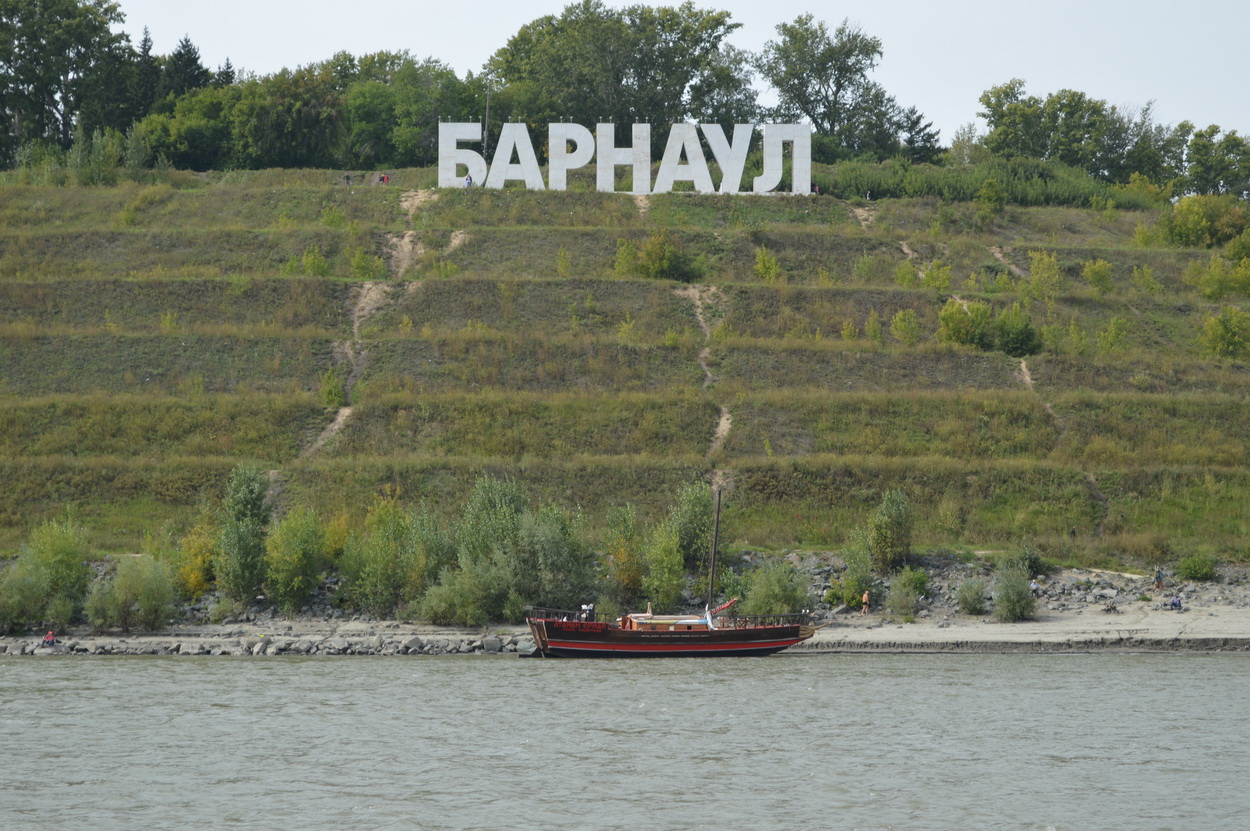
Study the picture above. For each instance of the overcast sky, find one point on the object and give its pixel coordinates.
(1189, 58)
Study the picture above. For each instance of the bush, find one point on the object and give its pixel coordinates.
(889, 534)
(692, 517)
(1013, 600)
(240, 559)
(970, 596)
(295, 555)
(906, 590)
(1227, 334)
(1198, 568)
(665, 578)
(48, 581)
(394, 561)
(662, 257)
(140, 592)
(776, 588)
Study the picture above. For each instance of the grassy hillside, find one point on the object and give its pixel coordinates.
(153, 336)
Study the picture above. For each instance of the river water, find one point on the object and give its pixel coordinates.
(486, 742)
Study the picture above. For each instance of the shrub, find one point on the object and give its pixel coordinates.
(967, 324)
(662, 257)
(691, 518)
(193, 559)
(665, 578)
(1197, 568)
(905, 327)
(1098, 274)
(48, 581)
(776, 588)
(1013, 600)
(239, 563)
(139, 592)
(1014, 333)
(970, 596)
(295, 555)
(906, 590)
(395, 560)
(889, 533)
(767, 268)
(1227, 334)
(622, 554)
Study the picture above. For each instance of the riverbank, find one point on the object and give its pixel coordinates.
(1074, 614)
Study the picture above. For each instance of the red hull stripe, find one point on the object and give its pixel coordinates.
(584, 646)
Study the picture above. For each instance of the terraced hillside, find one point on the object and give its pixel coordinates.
(350, 338)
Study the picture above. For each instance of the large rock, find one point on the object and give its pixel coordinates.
(491, 645)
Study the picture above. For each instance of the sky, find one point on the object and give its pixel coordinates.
(1188, 58)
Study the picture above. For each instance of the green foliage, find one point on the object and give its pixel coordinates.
(623, 560)
(333, 388)
(906, 274)
(1045, 279)
(1098, 274)
(48, 581)
(767, 268)
(969, 323)
(1113, 338)
(366, 266)
(1013, 600)
(239, 564)
(905, 327)
(970, 596)
(662, 257)
(907, 590)
(626, 262)
(1227, 334)
(392, 563)
(665, 576)
(1014, 332)
(1218, 277)
(314, 263)
(295, 556)
(937, 276)
(691, 517)
(1199, 568)
(775, 588)
(1204, 221)
(889, 533)
(139, 592)
(990, 200)
(872, 328)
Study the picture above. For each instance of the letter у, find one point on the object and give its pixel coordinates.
(732, 158)
(515, 136)
(560, 160)
(450, 156)
(608, 156)
(683, 137)
(800, 138)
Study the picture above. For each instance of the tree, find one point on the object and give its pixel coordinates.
(144, 80)
(776, 588)
(823, 78)
(1218, 164)
(655, 65)
(889, 533)
(239, 563)
(182, 73)
(51, 53)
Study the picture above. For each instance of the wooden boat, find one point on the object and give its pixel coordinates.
(561, 633)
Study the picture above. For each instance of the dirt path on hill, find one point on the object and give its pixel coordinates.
(414, 200)
(1002, 258)
(862, 215)
(369, 298)
(405, 249)
(1091, 482)
(643, 204)
(700, 298)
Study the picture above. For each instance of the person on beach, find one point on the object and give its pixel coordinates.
(863, 603)
(1175, 602)
(1035, 588)
(49, 639)
(1158, 579)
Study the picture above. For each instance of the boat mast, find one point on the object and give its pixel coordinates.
(711, 571)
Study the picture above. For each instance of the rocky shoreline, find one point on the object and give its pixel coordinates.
(1078, 611)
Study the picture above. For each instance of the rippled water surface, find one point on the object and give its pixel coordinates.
(786, 742)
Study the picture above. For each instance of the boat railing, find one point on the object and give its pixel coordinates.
(544, 613)
(747, 621)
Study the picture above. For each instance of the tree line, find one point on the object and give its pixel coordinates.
(66, 80)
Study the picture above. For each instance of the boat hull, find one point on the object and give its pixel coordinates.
(582, 639)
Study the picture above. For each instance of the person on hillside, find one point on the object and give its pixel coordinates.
(863, 603)
(468, 181)
(1035, 588)
(386, 180)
